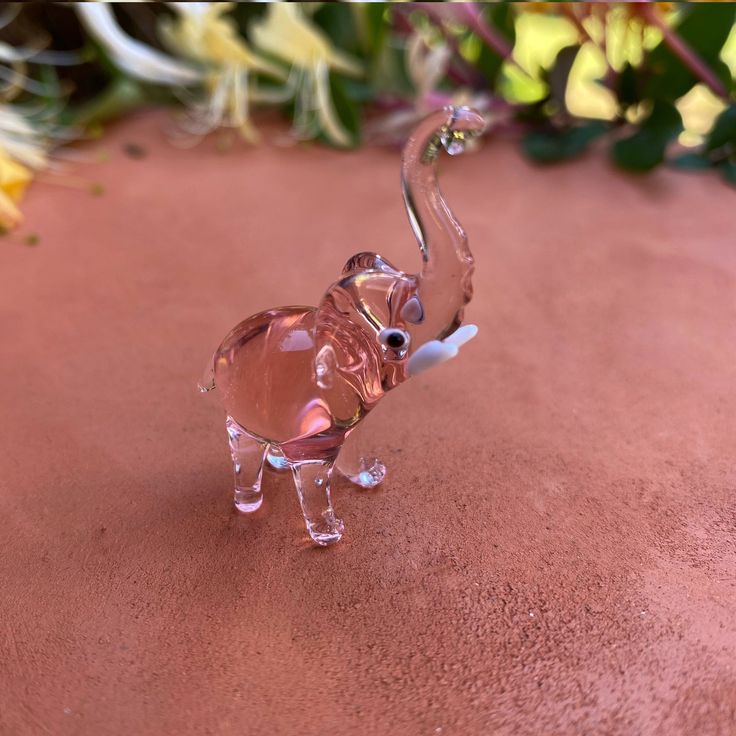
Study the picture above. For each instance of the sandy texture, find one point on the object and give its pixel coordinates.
(553, 551)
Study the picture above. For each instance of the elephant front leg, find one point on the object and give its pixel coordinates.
(312, 481)
(248, 457)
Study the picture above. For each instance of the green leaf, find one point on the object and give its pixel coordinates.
(50, 80)
(645, 149)
(373, 27)
(121, 96)
(358, 90)
(388, 72)
(704, 28)
(691, 162)
(728, 172)
(560, 72)
(548, 146)
(723, 131)
(338, 22)
(347, 109)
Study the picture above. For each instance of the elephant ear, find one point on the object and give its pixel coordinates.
(367, 261)
(346, 357)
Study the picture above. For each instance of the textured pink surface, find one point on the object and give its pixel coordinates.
(553, 551)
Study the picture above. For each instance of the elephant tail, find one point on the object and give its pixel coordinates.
(207, 382)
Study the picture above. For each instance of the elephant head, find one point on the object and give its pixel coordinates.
(377, 325)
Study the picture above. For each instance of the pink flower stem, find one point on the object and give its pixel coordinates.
(459, 70)
(686, 55)
(471, 16)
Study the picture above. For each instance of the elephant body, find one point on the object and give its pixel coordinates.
(265, 369)
(301, 378)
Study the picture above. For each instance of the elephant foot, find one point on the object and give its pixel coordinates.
(326, 531)
(247, 500)
(248, 459)
(368, 474)
(312, 483)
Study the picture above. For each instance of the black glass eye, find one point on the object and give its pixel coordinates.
(394, 338)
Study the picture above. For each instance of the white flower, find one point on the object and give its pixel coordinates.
(133, 57)
(218, 61)
(427, 64)
(288, 34)
(202, 33)
(427, 61)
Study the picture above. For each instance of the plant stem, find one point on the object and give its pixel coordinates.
(471, 16)
(680, 48)
(458, 70)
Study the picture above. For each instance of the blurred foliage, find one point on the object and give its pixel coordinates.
(651, 83)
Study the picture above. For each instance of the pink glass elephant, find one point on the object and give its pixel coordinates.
(296, 381)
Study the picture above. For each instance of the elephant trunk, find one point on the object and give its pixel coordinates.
(445, 285)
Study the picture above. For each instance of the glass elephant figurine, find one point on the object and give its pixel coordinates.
(297, 381)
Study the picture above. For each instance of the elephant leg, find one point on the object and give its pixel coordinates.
(358, 466)
(248, 456)
(276, 458)
(312, 481)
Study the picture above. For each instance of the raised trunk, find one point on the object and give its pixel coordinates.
(445, 281)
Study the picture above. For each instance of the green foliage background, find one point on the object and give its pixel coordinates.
(642, 129)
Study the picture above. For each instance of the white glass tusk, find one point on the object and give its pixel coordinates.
(462, 335)
(431, 353)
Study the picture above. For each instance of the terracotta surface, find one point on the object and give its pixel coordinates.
(553, 551)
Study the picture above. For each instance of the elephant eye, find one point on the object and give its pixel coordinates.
(393, 338)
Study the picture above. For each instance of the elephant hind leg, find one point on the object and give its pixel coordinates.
(358, 466)
(276, 458)
(366, 472)
(312, 482)
(248, 457)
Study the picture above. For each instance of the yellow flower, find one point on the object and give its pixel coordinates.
(202, 33)
(215, 59)
(22, 150)
(288, 34)
(14, 178)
